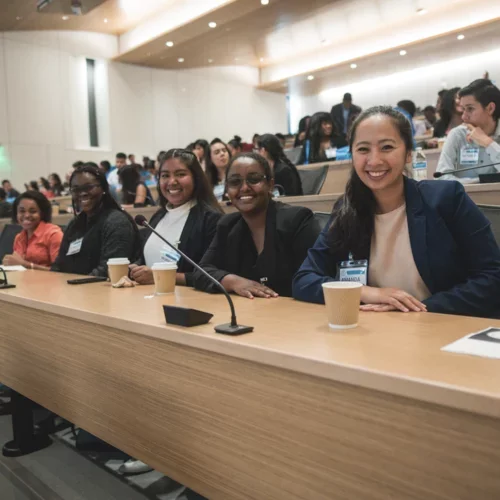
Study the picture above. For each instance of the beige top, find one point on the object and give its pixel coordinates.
(391, 261)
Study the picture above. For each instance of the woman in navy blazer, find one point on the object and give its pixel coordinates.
(453, 248)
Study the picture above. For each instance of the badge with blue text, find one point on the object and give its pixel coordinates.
(354, 270)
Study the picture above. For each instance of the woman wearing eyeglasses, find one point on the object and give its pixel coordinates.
(100, 231)
(256, 252)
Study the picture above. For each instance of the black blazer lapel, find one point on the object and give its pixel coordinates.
(417, 228)
(267, 260)
(188, 230)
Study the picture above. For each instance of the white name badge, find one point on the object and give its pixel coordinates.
(354, 270)
(75, 247)
(469, 156)
(331, 153)
(169, 254)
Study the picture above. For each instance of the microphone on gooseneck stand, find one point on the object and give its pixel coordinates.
(191, 317)
(485, 177)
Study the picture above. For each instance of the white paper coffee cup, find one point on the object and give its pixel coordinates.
(342, 299)
(117, 268)
(164, 274)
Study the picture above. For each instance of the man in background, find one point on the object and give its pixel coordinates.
(131, 159)
(341, 114)
(113, 180)
(5, 207)
(430, 116)
(9, 190)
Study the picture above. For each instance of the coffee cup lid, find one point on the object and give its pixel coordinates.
(118, 261)
(342, 284)
(164, 266)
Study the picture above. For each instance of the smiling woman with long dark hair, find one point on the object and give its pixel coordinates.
(100, 231)
(428, 246)
(257, 250)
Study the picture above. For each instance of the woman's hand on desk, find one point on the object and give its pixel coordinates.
(389, 299)
(247, 288)
(141, 274)
(14, 260)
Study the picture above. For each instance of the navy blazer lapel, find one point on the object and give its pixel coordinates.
(417, 228)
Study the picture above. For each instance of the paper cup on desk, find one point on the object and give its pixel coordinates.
(117, 268)
(342, 299)
(164, 274)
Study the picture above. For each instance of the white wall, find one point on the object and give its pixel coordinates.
(420, 84)
(43, 104)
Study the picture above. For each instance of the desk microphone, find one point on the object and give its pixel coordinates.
(4, 284)
(228, 328)
(437, 175)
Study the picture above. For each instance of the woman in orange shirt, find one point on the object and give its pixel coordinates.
(37, 245)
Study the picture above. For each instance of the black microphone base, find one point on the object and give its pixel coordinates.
(4, 286)
(184, 316)
(228, 329)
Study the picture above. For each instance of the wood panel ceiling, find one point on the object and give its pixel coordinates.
(21, 15)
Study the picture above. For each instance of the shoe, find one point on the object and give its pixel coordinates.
(134, 466)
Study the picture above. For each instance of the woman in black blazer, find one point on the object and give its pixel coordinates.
(188, 217)
(256, 251)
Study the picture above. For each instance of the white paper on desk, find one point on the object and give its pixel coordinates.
(485, 343)
(13, 268)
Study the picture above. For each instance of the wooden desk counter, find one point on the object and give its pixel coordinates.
(291, 411)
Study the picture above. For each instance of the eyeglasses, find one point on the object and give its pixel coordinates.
(85, 188)
(237, 181)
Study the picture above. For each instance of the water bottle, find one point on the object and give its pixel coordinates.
(419, 165)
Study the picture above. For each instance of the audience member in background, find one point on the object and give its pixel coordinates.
(188, 217)
(131, 159)
(37, 245)
(190, 147)
(112, 178)
(301, 134)
(44, 187)
(450, 113)
(11, 192)
(202, 150)
(234, 145)
(282, 139)
(105, 167)
(255, 140)
(477, 142)
(70, 173)
(32, 186)
(430, 116)
(134, 193)
(285, 174)
(322, 140)
(409, 107)
(439, 102)
(56, 185)
(257, 250)
(100, 231)
(342, 112)
(217, 163)
(5, 206)
(451, 259)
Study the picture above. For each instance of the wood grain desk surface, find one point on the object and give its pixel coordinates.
(392, 352)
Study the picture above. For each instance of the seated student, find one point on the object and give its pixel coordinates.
(450, 113)
(429, 247)
(11, 192)
(284, 171)
(201, 150)
(301, 133)
(37, 245)
(235, 145)
(133, 193)
(477, 142)
(257, 250)
(44, 188)
(322, 140)
(188, 216)
(216, 166)
(100, 231)
(56, 185)
(5, 206)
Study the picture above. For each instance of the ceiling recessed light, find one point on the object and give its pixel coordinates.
(65, 18)
(460, 37)
(354, 66)
(181, 59)
(18, 18)
(421, 12)
(210, 61)
(261, 59)
(402, 52)
(105, 20)
(310, 77)
(169, 44)
(264, 2)
(212, 25)
(236, 58)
